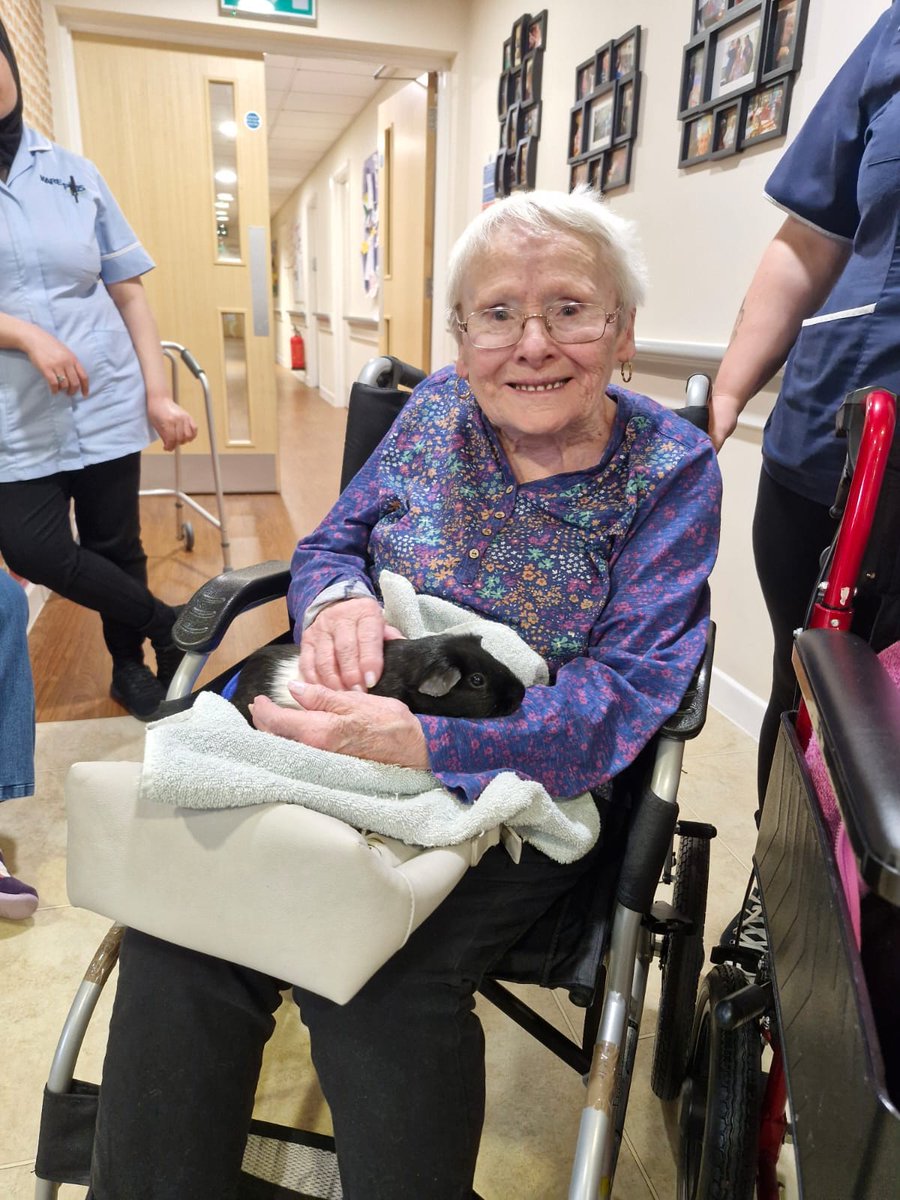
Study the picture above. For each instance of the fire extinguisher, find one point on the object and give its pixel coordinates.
(298, 353)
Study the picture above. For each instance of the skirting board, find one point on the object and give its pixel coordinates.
(741, 706)
(240, 473)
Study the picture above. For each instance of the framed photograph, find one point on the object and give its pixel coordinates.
(595, 172)
(600, 121)
(513, 128)
(578, 174)
(708, 12)
(531, 76)
(727, 126)
(514, 90)
(526, 163)
(784, 38)
(518, 43)
(531, 121)
(624, 126)
(603, 65)
(577, 128)
(735, 50)
(696, 139)
(626, 53)
(693, 77)
(584, 80)
(507, 54)
(616, 167)
(503, 95)
(767, 113)
(536, 37)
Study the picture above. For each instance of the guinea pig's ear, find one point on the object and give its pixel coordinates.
(441, 679)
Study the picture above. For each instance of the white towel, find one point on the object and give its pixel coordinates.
(209, 757)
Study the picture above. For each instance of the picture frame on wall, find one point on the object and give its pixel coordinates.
(595, 172)
(531, 120)
(513, 128)
(518, 42)
(617, 167)
(728, 121)
(584, 80)
(531, 76)
(526, 163)
(708, 12)
(735, 51)
(626, 52)
(603, 65)
(577, 130)
(599, 121)
(627, 94)
(536, 36)
(767, 112)
(693, 78)
(783, 50)
(503, 96)
(578, 173)
(696, 139)
(507, 54)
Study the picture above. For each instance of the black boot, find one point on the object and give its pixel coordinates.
(136, 688)
(168, 655)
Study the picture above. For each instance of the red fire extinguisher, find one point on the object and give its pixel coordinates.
(298, 353)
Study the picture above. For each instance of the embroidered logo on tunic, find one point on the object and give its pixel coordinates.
(69, 184)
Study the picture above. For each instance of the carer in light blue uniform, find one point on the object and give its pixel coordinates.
(83, 387)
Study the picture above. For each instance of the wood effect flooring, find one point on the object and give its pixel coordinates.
(69, 660)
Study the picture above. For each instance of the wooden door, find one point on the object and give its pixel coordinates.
(406, 127)
(147, 117)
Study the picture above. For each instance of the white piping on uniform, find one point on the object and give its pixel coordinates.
(119, 253)
(862, 311)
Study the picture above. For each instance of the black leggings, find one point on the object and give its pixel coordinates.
(106, 569)
(789, 535)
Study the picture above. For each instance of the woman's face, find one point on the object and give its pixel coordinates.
(538, 388)
(9, 95)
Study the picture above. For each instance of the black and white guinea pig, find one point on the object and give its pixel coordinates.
(446, 675)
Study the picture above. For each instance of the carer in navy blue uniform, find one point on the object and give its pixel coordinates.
(828, 286)
(83, 389)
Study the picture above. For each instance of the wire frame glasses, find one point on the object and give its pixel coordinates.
(568, 322)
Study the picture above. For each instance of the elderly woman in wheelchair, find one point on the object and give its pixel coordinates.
(523, 485)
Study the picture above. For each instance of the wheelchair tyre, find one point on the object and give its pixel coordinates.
(187, 535)
(681, 966)
(719, 1107)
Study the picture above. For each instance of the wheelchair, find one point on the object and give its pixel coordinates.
(597, 944)
(788, 1042)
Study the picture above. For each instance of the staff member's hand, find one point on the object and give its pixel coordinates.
(55, 361)
(344, 647)
(375, 728)
(173, 423)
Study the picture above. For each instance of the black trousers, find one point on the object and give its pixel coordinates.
(401, 1064)
(106, 568)
(789, 535)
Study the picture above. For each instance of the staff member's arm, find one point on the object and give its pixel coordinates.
(55, 361)
(795, 275)
(173, 424)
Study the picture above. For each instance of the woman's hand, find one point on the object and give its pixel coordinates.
(173, 423)
(724, 411)
(375, 728)
(344, 647)
(56, 362)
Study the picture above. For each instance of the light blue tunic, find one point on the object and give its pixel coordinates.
(62, 238)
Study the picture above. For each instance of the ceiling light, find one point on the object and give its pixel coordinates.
(228, 129)
(224, 196)
(226, 175)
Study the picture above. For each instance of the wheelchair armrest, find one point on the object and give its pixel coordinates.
(690, 717)
(209, 612)
(855, 710)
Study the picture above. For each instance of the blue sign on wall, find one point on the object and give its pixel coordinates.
(278, 10)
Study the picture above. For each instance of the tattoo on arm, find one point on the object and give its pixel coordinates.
(737, 323)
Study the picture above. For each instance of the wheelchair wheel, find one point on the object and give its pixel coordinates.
(719, 1108)
(681, 966)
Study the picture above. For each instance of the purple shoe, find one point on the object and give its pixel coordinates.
(18, 900)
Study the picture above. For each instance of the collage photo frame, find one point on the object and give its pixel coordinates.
(737, 75)
(604, 119)
(519, 104)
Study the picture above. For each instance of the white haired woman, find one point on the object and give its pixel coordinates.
(525, 486)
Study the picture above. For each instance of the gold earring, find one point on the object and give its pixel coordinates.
(625, 371)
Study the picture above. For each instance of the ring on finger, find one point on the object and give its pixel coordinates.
(61, 379)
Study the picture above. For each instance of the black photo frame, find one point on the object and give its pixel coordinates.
(526, 163)
(785, 35)
(708, 13)
(536, 32)
(595, 172)
(735, 51)
(694, 77)
(728, 125)
(512, 130)
(531, 120)
(626, 108)
(578, 173)
(577, 131)
(507, 55)
(599, 118)
(532, 69)
(503, 96)
(603, 66)
(517, 42)
(584, 79)
(766, 112)
(626, 53)
(617, 167)
(696, 139)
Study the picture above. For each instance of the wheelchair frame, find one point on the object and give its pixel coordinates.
(845, 1126)
(606, 972)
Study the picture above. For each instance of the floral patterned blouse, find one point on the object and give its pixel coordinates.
(602, 571)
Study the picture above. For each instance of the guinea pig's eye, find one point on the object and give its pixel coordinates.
(477, 680)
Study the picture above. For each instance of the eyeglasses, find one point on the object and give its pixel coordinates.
(568, 322)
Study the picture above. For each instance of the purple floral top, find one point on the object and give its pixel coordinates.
(603, 572)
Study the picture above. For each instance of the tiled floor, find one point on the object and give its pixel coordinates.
(533, 1100)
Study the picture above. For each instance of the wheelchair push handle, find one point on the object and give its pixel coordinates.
(696, 408)
(389, 372)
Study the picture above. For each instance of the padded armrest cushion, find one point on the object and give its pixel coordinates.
(275, 887)
(855, 711)
(209, 612)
